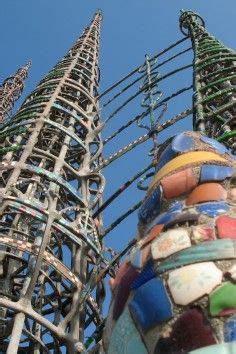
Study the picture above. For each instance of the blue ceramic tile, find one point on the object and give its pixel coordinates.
(183, 217)
(147, 274)
(182, 143)
(151, 305)
(215, 173)
(164, 218)
(175, 206)
(215, 144)
(151, 206)
(230, 329)
(167, 155)
(212, 209)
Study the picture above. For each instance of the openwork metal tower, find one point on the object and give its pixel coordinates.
(214, 72)
(10, 90)
(49, 245)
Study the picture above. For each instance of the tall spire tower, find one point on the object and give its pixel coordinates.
(214, 81)
(11, 90)
(49, 242)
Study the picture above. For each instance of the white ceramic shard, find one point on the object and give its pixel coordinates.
(191, 282)
(232, 272)
(170, 242)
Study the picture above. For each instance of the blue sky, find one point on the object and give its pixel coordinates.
(43, 30)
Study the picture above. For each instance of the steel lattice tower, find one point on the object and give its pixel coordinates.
(214, 80)
(50, 245)
(11, 89)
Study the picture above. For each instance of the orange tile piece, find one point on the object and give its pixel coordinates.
(179, 183)
(206, 192)
(153, 233)
(145, 243)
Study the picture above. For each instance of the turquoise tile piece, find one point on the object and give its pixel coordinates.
(125, 338)
(202, 252)
(182, 143)
(215, 173)
(224, 348)
(151, 305)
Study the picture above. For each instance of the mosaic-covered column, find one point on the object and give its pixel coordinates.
(176, 291)
(49, 244)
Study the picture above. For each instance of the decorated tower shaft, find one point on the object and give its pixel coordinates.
(49, 245)
(214, 75)
(176, 290)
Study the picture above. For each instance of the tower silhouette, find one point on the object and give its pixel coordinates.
(50, 247)
(11, 89)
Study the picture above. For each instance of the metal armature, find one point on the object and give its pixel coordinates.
(11, 89)
(49, 244)
(214, 81)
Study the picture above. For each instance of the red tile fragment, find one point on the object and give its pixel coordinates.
(121, 272)
(226, 227)
(207, 192)
(179, 183)
(191, 331)
(122, 291)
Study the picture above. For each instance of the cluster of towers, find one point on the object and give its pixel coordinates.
(51, 251)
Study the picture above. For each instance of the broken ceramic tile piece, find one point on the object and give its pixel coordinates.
(223, 298)
(232, 272)
(226, 227)
(202, 252)
(205, 193)
(146, 274)
(164, 218)
(179, 183)
(215, 173)
(119, 275)
(122, 291)
(170, 242)
(191, 282)
(190, 331)
(213, 209)
(232, 194)
(151, 305)
(215, 144)
(182, 142)
(150, 206)
(202, 233)
(223, 348)
(125, 338)
(230, 329)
